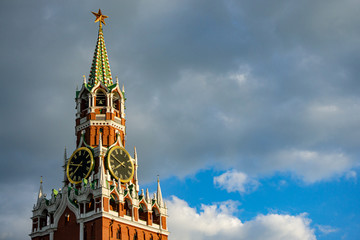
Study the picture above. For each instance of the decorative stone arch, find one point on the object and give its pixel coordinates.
(65, 203)
(155, 215)
(128, 206)
(114, 202)
(44, 218)
(143, 211)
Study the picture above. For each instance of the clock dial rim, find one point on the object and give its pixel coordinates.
(110, 168)
(69, 161)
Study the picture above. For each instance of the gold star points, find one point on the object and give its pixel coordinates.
(99, 17)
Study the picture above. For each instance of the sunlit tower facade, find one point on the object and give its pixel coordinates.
(100, 197)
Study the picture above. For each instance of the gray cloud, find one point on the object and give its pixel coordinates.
(225, 84)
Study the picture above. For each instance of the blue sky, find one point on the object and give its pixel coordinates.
(248, 110)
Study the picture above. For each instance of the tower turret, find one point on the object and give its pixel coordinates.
(100, 103)
(100, 198)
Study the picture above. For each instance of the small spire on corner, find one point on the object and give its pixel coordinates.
(84, 78)
(135, 154)
(65, 154)
(41, 194)
(158, 193)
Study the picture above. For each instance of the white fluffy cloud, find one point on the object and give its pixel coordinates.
(313, 166)
(217, 222)
(234, 181)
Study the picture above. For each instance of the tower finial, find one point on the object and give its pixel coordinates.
(99, 17)
(41, 181)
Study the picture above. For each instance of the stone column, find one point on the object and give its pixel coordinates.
(52, 235)
(81, 231)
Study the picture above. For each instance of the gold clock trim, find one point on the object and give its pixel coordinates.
(110, 169)
(91, 164)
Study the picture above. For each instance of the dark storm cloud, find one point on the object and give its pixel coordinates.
(247, 84)
(260, 86)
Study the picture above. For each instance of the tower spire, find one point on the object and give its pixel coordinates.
(158, 193)
(100, 68)
(40, 195)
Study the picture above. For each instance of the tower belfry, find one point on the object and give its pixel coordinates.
(100, 198)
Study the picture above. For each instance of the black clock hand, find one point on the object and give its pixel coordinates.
(78, 167)
(122, 164)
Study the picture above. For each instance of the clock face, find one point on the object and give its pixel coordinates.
(79, 165)
(120, 164)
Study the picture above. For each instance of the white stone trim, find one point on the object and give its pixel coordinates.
(99, 123)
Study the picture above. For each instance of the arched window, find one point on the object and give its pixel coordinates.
(151, 237)
(114, 203)
(92, 231)
(155, 216)
(90, 205)
(135, 235)
(118, 233)
(44, 218)
(143, 212)
(116, 101)
(127, 207)
(100, 98)
(84, 102)
(85, 232)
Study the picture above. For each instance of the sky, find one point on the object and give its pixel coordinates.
(248, 110)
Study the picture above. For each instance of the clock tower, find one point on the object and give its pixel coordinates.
(100, 198)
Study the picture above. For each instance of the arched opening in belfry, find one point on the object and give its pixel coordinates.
(100, 98)
(127, 207)
(114, 202)
(155, 215)
(142, 212)
(84, 103)
(116, 101)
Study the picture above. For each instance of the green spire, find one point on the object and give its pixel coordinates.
(100, 68)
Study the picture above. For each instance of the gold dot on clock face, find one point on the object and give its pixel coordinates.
(79, 165)
(120, 164)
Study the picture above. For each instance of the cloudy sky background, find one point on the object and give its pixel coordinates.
(248, 110)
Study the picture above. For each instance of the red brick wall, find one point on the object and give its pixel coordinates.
(67, 229)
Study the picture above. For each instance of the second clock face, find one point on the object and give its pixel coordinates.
(79, 165)
(120, 164)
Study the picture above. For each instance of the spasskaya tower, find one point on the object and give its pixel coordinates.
(100, 198)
